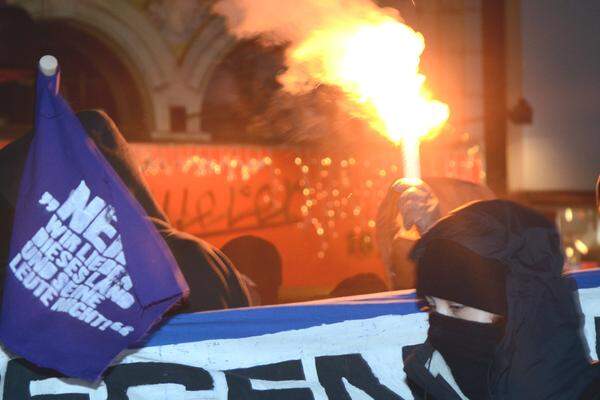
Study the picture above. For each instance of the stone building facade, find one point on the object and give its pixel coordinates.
(168, 50)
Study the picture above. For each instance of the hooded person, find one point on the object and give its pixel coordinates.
(504, 322)
(259, 261)
(213, 280)
(409, 209)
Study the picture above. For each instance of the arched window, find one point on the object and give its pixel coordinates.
(95, 75)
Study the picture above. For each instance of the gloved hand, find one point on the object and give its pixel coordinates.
(417, 204)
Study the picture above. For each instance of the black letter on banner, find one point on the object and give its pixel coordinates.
(20, 374)
(331, 370)
(238, 381)
(124, 376)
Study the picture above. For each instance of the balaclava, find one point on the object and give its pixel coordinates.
(451, 272)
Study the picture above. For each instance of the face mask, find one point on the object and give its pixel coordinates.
(468, 348)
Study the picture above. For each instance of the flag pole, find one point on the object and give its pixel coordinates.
(48, 65)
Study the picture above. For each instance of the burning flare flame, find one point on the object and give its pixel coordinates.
(376, 63)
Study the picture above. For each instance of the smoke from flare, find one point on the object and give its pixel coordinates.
(353, 44)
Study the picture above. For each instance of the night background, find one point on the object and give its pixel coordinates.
(227, 152)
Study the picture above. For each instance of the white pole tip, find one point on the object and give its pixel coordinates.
(48, 65)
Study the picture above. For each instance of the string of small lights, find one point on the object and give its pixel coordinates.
(337, 196)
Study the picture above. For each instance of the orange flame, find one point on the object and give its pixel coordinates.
(376, 63)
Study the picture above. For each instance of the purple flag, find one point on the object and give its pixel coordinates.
(88, 274)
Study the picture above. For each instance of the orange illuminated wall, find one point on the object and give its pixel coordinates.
(318, 209)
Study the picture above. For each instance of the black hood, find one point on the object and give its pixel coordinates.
(106, 136)
(542, 354)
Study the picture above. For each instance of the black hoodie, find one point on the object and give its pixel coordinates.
(214, 282)
(542, 354)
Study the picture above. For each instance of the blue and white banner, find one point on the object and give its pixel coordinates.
(340, 349)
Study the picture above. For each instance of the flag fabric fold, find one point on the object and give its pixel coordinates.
(88, 274)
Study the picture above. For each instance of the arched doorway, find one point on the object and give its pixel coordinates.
(95, 75)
